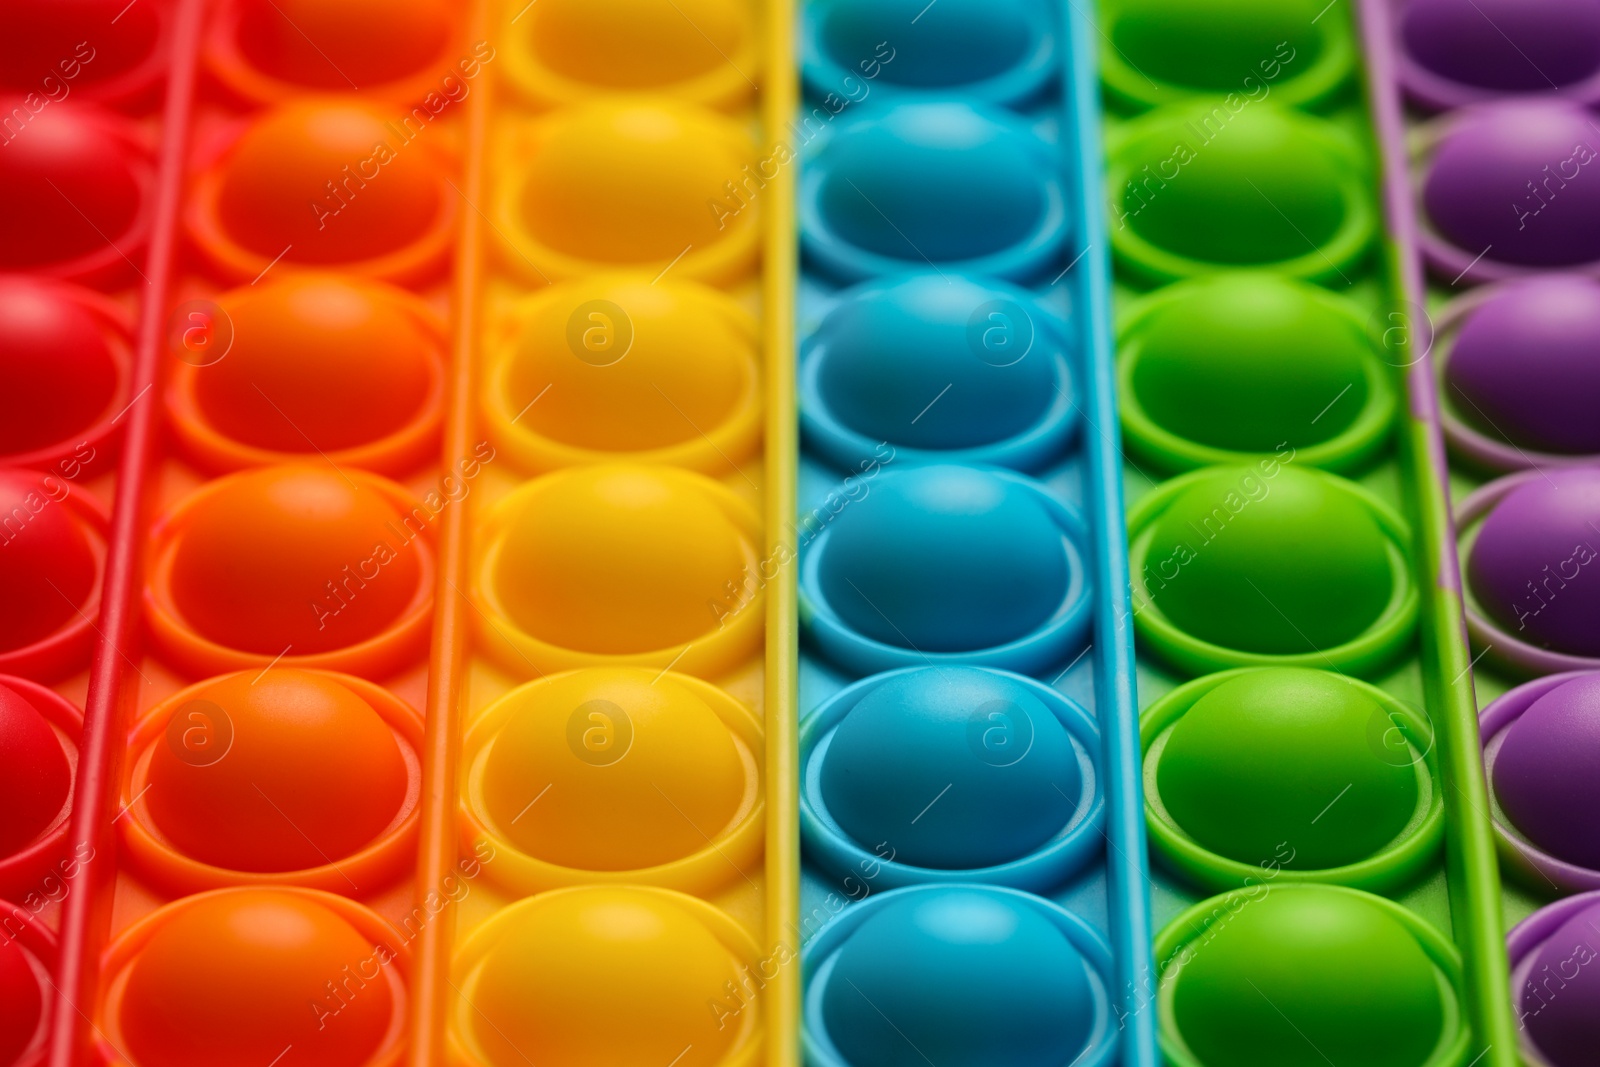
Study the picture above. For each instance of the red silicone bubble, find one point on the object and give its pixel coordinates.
(277, 772)
(237, 977)
(266, 48)
(63, 357)
(35, 777)
(320, 183)
(27, 951)
(48, 563)
(76, 182)
(294, 560)
(317, 364)
(94, 49)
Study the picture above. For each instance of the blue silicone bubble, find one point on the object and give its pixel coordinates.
(960, 976)
(950, 774)
(951, 185)
(940, 367)
(1000, 51)
(947, 563)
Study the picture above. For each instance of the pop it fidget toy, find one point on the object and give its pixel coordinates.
(1556, 999)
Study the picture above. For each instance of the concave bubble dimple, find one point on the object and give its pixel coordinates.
(75, 184)
(939, 182)
(1508, 46)
(1257, 186)
(1533, 565)
(235, 977)
(1218, 46)
(47, 565)
(34, 774)
(961, 978)
(945, 559)
(620, 559)
(1250, 363)
(286, 771)
(606, 976)
(1559, 1002)
(1522, 366)
(1280, 565)
(636, 182)
(951, 768)
(982, 351)
(1277, 766)
(1312, 975)
(318, 363)
(956, 44)
(56, 365)
(345, 45)
(294, 557)
(1546, 774)
(328, 183)
(623, 365)
(630, 769)
(636, 45)
(21, 1001)
(1508, 182)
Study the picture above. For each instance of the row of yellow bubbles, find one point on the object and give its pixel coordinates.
(611, 765)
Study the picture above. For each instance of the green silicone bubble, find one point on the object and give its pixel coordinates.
(1305, 976)
(1163, 51)
(1238, 365)
(1207, 186)
(1279, 765)
(1267, 565)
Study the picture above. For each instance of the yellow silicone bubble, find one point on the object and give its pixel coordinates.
(621, 564)
(704, 51)
(612, 770)
(614, 367)
(606, 977)
(646, 184)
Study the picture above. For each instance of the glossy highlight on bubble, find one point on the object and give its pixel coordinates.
(236, 975)
(896, 189)
(620, 565)
(295, 560)
(289, 770)
(640, 184)
(325, 184)
(548, 980)
(618, 366)
(618, 770)
(1540, 767)
(1304, 968)
(964, 975)
(315, 365)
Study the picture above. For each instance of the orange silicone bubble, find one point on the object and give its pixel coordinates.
(628, 772)
(52, 553)
(234, 977)
(701, 51)
(323, 567)
(266, 50)
(611, 365)
(85, 180)
(605, 977)
(324, 183)
(304, 773)
(621, 565)
(315, 364)
(633, 183)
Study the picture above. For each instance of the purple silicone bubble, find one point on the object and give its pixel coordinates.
(1559, 992)
(1524, 367)
(1518, 183)
(1535, 565)
(1509, 46)
(1547, 772)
